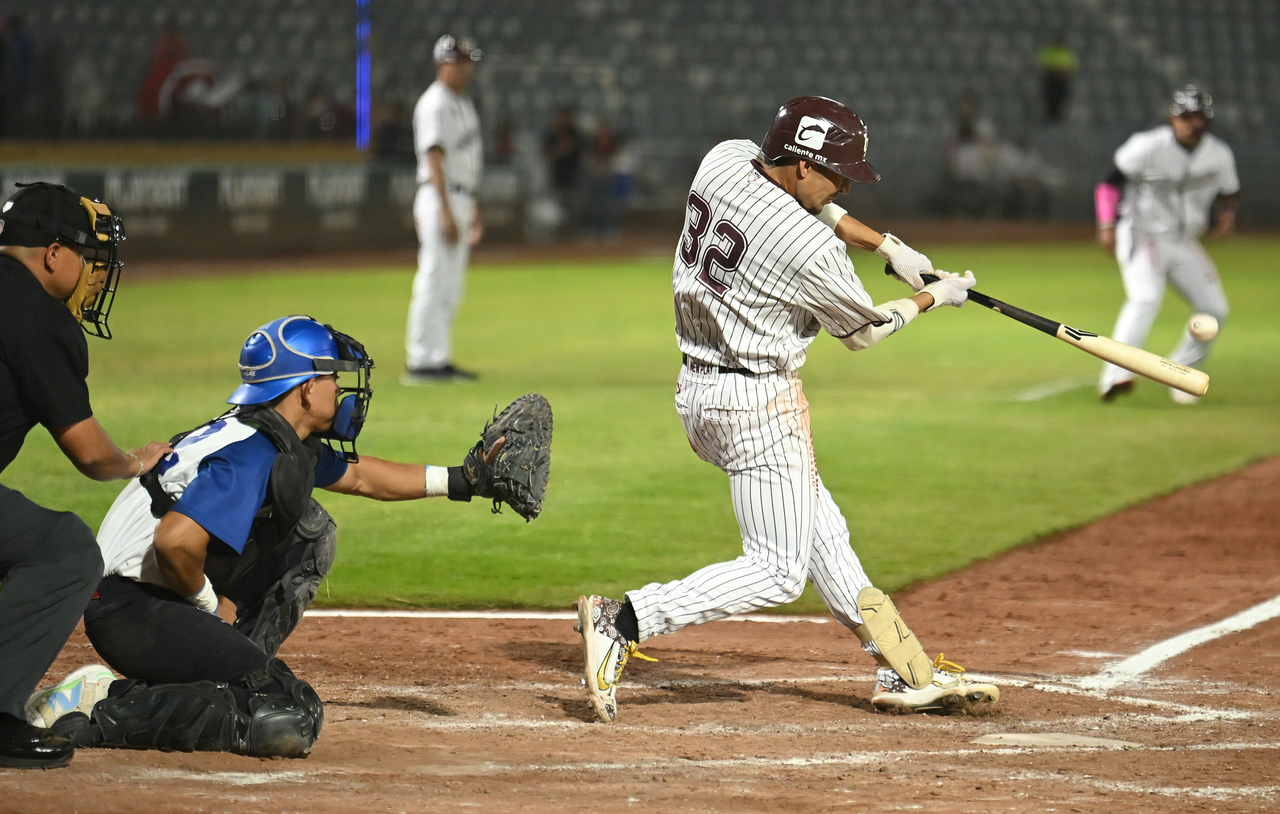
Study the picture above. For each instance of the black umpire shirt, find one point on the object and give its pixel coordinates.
(44, 361)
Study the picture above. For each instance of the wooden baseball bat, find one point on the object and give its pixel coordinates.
(1137, 360)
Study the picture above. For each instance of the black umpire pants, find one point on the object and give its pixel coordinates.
(49, 565)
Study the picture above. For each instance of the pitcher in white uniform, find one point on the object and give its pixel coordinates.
(446, 138)
(762, 268)
(1165, 188)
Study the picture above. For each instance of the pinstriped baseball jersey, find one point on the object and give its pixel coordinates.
(1170, 189)
(443, 119)
(756, 276)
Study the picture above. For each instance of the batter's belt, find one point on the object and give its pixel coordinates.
(703, 368)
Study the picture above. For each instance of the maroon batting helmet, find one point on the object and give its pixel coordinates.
(823, 131)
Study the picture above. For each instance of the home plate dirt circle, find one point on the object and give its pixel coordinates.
(461, 712)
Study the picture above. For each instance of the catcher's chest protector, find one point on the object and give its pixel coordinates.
(292, 473)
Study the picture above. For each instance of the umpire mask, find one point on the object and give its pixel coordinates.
(40, 214)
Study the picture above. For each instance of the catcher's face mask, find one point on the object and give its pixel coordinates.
(288, 351)
(353, 401)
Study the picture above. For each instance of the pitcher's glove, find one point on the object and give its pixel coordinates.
(512, 461)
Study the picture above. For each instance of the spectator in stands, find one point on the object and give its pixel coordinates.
(46, 96)
(4, 96)
(970, 159)
(86, 97)
(504, 146)
(1023, 179)
(319, 116)
(394, 141)
(562, 148)
(1058, 65)
(170, 49)
(19, 53)
(600, 213)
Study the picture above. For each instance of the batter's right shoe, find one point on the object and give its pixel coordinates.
(949, 693)
(77, 692)
(606, 651)
(1115, 390)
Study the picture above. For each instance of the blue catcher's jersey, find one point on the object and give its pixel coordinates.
(219, 476)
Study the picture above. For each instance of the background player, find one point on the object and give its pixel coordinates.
(446, 138)
(57, 253)
(756, 277)
(211, 563)
(1167, 185)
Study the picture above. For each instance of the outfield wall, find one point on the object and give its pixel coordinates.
(248, 210)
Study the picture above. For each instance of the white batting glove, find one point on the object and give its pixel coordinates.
(950, 289)
(907, 263)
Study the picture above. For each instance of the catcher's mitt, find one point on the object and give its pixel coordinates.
(518, 476)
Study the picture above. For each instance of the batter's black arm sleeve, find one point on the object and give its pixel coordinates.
(1116, 178)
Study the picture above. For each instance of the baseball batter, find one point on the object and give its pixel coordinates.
(446, 137)
(758, 273)
(1166, 186)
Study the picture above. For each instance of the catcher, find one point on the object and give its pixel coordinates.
(212, 557)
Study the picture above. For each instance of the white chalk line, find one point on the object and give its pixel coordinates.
(373, 613)
(1209, 792)
(229, 778)
(1126, 671)
(1173, 712)
(1041, 392)
(851, 759)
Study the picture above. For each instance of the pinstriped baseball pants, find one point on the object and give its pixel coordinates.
(1147, 264)
(756, 429)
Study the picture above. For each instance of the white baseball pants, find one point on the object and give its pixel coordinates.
(437, 287)
(1147, 263)
(757, 431)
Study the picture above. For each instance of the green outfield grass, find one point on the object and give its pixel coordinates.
(958, 439)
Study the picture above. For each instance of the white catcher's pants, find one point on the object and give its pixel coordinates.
(437, 287)
(757, 431)
(1146, 263)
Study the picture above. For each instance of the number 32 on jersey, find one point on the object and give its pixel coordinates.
(720, 255)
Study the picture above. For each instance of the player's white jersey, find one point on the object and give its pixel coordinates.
(128, 532)
(756, 275)
(1170, 189)
(446, 120)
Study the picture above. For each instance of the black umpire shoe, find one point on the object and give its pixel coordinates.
(431, 375)
(23, 746)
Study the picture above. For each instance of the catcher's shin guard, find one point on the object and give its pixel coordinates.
(311, 545)
(199, 717)
(287, 715)
(272, 713)
(899, 649)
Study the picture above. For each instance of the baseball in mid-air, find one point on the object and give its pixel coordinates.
(1203, 326)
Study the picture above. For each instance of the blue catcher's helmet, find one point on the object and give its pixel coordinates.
(286, 352)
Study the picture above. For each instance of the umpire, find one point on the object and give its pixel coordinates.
(58, 270)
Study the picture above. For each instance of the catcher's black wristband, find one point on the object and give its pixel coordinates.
(459, 489)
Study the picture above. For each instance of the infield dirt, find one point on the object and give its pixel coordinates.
(740, 716)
